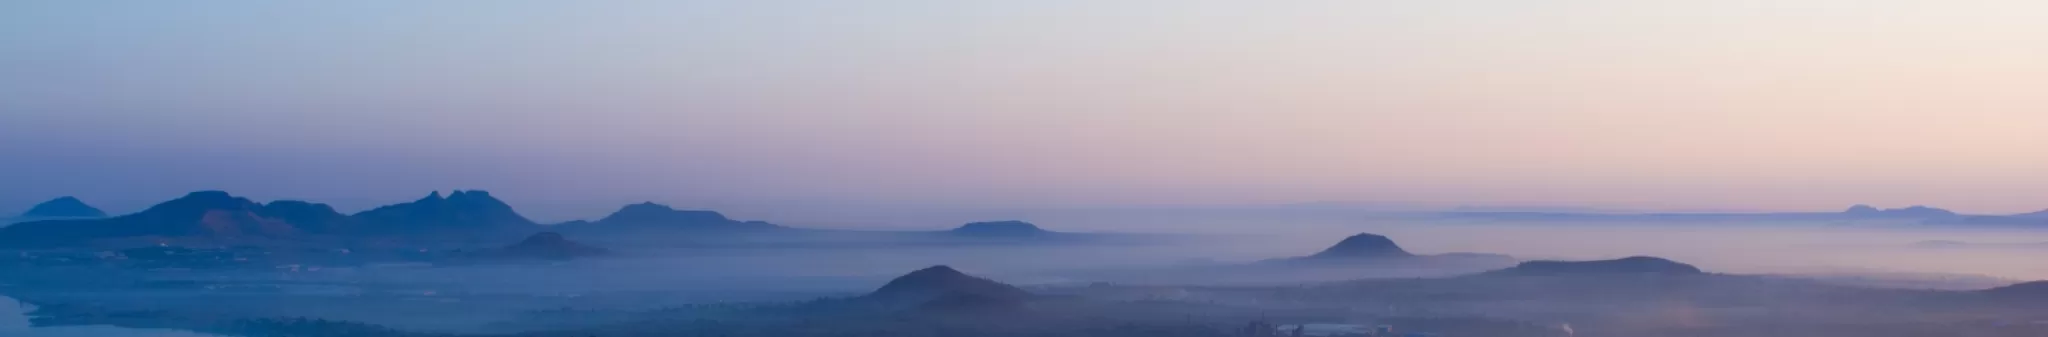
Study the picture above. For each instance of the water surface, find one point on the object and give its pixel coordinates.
(14, 322)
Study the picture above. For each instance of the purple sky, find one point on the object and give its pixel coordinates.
(1761, 105)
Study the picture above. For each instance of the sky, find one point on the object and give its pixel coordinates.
(1618, 104)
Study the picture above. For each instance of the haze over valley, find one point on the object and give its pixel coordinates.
(212, 262)
(1043, 168)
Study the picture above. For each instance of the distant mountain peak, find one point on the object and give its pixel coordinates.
(308, 216)
(64, 207)
(550, 245)
(1628, 265)
(1924, 210)
(1363, 245)
(938, 282)
(460, 209)
(935, 272)
(648, 205)
(650, 213)
(206, 215)
(470, 194)
(209, 195)
(201, 200)
(1000, 228)
(658, 217)
(1915, 211)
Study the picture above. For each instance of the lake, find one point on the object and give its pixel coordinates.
(14, 322)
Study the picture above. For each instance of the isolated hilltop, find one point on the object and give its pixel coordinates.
(649, 215)
(1011, 228)
(942, 287)
(63, 207)
(1363, 246)
(1368, 255)
(652, 213)
(1915, 211)
(1374, 248)
(1629, 265)
(550, 246)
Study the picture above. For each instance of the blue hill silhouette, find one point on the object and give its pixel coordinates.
(63, 207)
(204, 214)
(1363, 245)
(461, 211)
(1629, 265)
(1010, 228)
(653, 216)
(943, 288)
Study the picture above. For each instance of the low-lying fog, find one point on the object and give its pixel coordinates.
(1888, 250)
(641, 278)
(1730, 247)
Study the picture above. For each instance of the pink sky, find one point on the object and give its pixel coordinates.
(1773, 105)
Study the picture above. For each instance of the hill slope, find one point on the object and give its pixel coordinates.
(942, 287)
(63, 207)
(461, 211)
(205, 215)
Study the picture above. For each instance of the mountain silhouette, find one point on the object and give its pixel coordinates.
(2037, 290)
(1363, 246)
(1863, 210)
(63, 207)
(461, 211)
(2043, 214)
(1009, 229)
(1630, 265)
(213, 215)
(309, 217)
(649, 215)
(1379, 254)
(1915, 211)
(942, 287)
(550, 246)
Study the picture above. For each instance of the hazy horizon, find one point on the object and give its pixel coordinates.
(881, 215)
(944, 168)
(570, 110)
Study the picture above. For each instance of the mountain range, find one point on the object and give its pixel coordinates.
(208, 214)
(460, 219)
(216, 217)
(63, 207)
